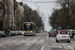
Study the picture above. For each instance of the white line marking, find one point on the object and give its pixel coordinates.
(56, 46)
(70, 47)
(42, 48)
(47, 37)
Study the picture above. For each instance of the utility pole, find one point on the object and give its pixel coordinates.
(14, 9)
(8, 16)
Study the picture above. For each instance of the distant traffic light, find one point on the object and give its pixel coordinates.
(19, 28)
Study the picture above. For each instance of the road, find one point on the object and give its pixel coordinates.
(39, 42)
(51, 44)
(23, 42)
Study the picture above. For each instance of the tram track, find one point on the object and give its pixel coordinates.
(16, 46)
(31, 48)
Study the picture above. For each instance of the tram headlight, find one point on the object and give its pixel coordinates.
(24, 31)
(31, 31)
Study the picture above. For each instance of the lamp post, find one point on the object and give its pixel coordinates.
(74, 22)
(8, 17)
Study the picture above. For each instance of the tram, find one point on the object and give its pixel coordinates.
(29, 28)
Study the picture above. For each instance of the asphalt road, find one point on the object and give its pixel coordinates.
(39, 42)
(51, 44)
(23, 42)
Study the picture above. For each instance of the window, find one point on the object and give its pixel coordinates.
(28, 27)
(63, 33)
(52, 31)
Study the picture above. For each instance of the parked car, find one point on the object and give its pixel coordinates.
(52, 33)
(20, 32)
(2, 33)
(38, 31)
(71, 33)
(63, 36)
(74, 32)
(12, 33)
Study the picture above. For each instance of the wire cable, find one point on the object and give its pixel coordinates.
(34, 4)
(41, 1)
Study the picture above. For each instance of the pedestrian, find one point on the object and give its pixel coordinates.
(59, 28)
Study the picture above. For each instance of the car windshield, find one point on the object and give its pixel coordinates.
(72, 31)
(63, 32)
(52, 31)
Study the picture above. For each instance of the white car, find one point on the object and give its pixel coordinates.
(63, 36)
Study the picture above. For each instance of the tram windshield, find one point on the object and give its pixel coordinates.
(28, 27)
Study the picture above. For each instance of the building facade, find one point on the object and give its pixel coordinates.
(11, 13)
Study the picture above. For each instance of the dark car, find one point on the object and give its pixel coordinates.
(52, 33)
(2, 33)
(38, 31)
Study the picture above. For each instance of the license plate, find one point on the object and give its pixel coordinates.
(63, 36)
(52, 34)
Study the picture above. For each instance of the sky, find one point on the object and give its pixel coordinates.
(45, 9)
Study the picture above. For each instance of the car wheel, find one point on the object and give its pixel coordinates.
(57, 41)
(24, 35)
(49, 35)
(72, 37)
(5, 35)
(68, 41)
(0, 36)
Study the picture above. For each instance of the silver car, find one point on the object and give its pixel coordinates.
(12, 33)
(2, 33)
(71, 33)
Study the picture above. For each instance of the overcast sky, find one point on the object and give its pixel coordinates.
(45, 8)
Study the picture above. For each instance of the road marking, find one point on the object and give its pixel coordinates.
(47, 37)
(70, 47)
(42, 48)
(56, 46)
